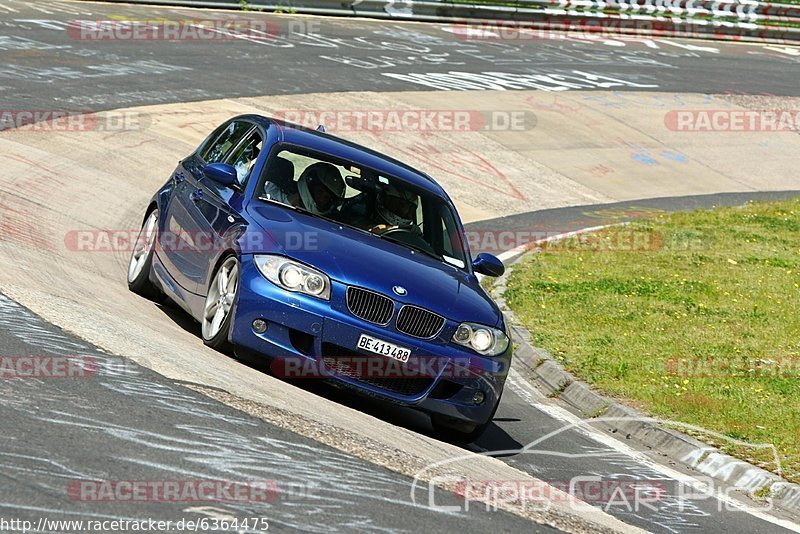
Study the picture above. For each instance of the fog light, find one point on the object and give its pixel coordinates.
(259, 326)
(478, 397)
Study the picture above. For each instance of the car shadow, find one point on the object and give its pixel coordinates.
(497, 438)
(179, 316)
(395, 414)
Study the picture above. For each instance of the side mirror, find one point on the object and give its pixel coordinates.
(488, 265)
(222, 173)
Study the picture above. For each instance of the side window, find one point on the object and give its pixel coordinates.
(216, 151)
(244, 156)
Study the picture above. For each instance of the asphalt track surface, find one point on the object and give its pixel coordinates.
(124, 422)
(44, 63)
(133, 424)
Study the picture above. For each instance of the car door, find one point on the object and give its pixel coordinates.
(194, 210)
(171, 242)
(213, 208)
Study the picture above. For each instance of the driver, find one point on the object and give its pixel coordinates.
(247, 158)
(397, 208)
(321, 188)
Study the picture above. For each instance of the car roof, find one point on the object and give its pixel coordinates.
(341, 148)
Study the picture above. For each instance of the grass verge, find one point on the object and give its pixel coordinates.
(692, 317)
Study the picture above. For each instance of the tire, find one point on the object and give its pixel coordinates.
(217, 310)
(141, 261)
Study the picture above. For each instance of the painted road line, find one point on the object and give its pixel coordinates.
(517, 251)
(536, 400)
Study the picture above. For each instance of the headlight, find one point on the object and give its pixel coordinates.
(294, 276)
(482, 339)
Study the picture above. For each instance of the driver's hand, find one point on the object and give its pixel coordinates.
(381, 228)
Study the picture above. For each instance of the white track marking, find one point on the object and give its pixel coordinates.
(788, 50)
(522, 248)
(535, 399)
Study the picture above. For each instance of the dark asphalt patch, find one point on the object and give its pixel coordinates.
(69, 440)
(45, 63)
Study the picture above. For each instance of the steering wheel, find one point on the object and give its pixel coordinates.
(404, 235)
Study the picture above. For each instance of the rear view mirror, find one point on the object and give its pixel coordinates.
(221, 173)
(359, 183)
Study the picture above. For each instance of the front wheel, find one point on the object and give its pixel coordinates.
(219, 303)
(142, 258)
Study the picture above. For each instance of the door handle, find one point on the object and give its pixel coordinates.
(197, 195)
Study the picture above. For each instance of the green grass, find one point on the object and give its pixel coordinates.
(685, 325)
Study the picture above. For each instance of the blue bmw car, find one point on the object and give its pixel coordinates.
(332, 261)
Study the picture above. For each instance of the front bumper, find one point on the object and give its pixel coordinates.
(304, 335)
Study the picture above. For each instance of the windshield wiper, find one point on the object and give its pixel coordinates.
(298, 208)
(413, 247)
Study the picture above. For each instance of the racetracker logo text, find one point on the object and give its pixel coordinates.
(733, 120)
(61, 120)
(47, 367)
(560, 28)
(173, 491)
(369, 367)
(226, 29)
(611, 240)
(185, 241)
(410, 120)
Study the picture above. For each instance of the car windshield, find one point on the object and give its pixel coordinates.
(350, 194)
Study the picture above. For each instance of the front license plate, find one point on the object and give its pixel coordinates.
(390, 350)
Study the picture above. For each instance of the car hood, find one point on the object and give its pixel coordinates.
(356, 258)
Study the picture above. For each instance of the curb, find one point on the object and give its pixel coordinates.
(554, 381)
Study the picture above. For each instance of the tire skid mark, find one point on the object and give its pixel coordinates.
(204, 441)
